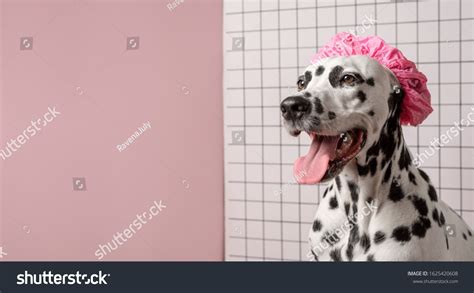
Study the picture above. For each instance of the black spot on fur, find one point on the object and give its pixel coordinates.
(354, 235)
(469, 232)
(318, 106)
(365, 242)
(307, 94)
(335, 254)
(405, 159)
(424, 175)
(426, 222)
(354, 191)
(350, 251)
(464, 236)
(383, 163)
(315, 120)
(432, 193)
(436, 217)
(354, 209)
(399, 138)
(363, 170)
(331, 187)
(379, 237)
(307, 77)
(346, 208)
(373, 166)
(401, 233)
(420, 205)
(418, 230)
(371, 113)
(374, 150)
(334, 75)
(388, 173)
(331, 115)
(412, 177)
(325, 192)
(359, 78)
(333, 204)
(370, 81)
(420, 227)
(442, 220)
(361, 96)
(396, 192)
(370, 257)
(317, 225)
(338, 183)
(387, 142)
(319, 70)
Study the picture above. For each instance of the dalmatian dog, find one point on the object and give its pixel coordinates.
(378, 205)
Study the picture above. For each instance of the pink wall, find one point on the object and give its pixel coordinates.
(79, 64)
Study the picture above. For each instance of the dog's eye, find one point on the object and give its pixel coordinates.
(348, 80)
(301, 84)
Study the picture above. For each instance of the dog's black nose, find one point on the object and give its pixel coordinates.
(295, 107)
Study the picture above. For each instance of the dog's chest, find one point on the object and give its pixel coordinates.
(341, 241)
(346, 229)
(407, 226)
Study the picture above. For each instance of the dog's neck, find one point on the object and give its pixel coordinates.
(386, 160)
(378, 170)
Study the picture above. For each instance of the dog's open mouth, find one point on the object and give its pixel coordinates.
(327, 155)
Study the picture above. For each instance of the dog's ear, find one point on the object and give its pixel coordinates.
(396, 94)
(395, 101)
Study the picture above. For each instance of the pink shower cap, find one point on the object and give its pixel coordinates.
(416, 104)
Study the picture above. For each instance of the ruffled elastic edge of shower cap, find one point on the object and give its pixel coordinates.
(416, 104)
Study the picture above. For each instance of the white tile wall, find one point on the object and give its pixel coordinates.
(267, 215)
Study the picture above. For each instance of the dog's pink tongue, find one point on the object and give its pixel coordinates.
(311, 168)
